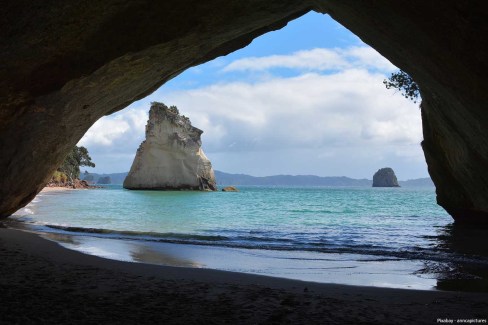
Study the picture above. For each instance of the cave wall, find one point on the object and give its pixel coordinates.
(66, 64)
(442, 45)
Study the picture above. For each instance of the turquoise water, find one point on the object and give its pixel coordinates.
(331, 219)
(375, 224)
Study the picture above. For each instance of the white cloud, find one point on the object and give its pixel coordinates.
(367, 58)
(342, 122)
(319, 59)
(105, 131)
(120, 133)
(349, 108)
(316, 59)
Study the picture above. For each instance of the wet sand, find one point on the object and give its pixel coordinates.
(336, 268)
(43, 282)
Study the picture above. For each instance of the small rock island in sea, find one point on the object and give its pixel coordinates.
(230, 189)
(385, 177)
(171, 157)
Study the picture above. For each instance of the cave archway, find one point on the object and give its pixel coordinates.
(292, 102)
(66, 65)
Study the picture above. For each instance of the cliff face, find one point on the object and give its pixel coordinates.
(445, 57)
(66, 64)
(385, 177)
(171, 157)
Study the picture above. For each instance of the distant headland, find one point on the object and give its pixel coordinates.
(281, 180)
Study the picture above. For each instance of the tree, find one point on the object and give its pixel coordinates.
(74, 160)
(404, 83)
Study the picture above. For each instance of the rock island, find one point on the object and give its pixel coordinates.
(385, 177)
(171, 157)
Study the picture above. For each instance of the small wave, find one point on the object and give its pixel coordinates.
(264, 239)
(322, 211)
(138, 233)
(272, 241)
(24, 212)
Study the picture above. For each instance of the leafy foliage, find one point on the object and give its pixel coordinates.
(59, 177)
(404, 83)
(74, 160)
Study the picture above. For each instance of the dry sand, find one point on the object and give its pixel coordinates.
(55, 189)
(42, 282)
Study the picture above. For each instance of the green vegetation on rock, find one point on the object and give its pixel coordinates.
(70, 169)
(59, 177)
(74, 160)
(404, 83)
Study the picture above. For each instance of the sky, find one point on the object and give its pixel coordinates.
(308, 99)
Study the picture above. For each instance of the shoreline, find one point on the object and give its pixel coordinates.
(47, 189)
(349, 268)
(53, 281)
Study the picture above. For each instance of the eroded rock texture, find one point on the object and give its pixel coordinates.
(66, 64)
(385, 177)
(171, 157)
(442, 45)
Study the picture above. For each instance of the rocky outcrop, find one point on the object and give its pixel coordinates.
(453, 87)
(230, 189)
(385, 177)
(76, 184)
(66, 64)
(171, 157)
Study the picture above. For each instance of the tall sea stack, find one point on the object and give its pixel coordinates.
(385, 177)
(171, 157)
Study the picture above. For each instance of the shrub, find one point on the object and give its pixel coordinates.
(59, 177)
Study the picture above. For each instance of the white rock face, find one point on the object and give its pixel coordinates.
(171, 157)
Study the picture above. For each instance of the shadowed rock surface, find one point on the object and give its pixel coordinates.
(65, 65)
(385, 177)
(171, 157)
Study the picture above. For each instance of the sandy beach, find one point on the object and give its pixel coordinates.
(43, 282)
(55, 189)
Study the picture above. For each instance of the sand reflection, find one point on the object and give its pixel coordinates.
(145, 254)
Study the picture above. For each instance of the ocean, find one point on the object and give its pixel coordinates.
(390, 237)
